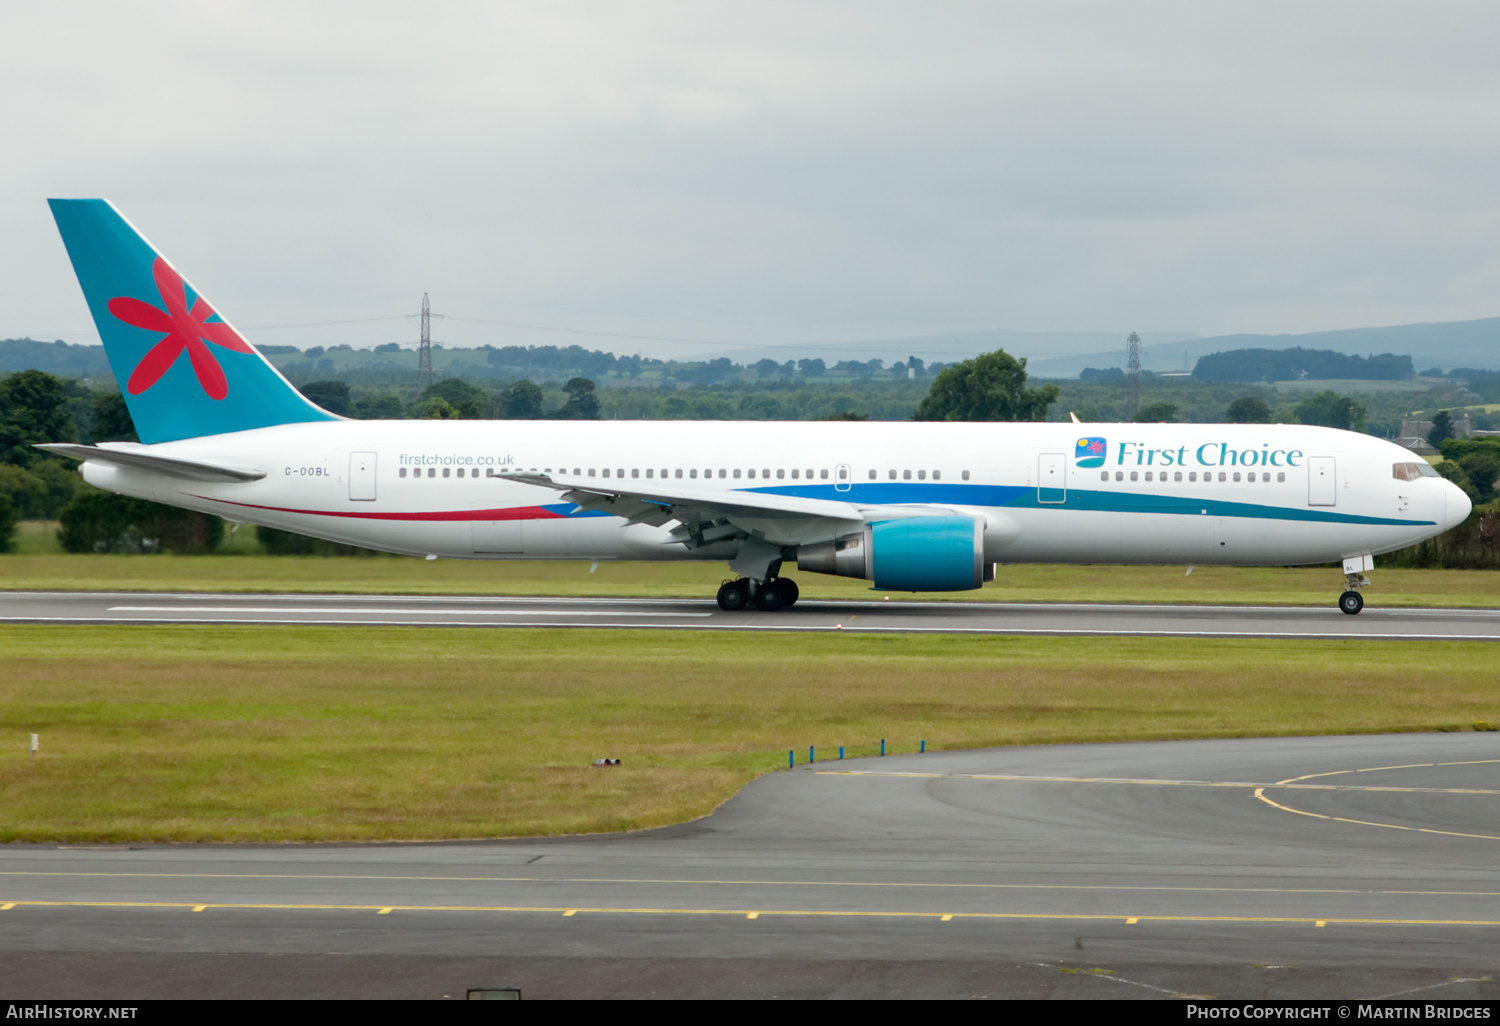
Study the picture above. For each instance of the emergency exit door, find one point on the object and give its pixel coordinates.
(362, 476)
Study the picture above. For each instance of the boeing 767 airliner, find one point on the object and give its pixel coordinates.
(907, 506)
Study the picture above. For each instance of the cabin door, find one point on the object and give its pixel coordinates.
(1322, 481)
(1051, 482)
(362, 476)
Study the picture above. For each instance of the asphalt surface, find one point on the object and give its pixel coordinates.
(1350, 867)
(704, 614)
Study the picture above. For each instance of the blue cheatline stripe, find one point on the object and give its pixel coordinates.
(898, 493)
(573, 510)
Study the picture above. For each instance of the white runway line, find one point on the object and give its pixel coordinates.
(380, 612)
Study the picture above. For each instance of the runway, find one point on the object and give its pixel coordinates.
(892, 616)
(1352, 867)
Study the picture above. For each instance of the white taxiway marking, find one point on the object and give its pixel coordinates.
(382, 611)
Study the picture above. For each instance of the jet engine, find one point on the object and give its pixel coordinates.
(910, 554)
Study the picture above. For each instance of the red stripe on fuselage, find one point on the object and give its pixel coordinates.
(509, 513)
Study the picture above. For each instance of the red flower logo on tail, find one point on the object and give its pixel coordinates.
(185, 329)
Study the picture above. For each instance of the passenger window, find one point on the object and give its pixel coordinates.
(1225, 477)
(401, 472)
(921, 475)
(1104, 475)
(1236, 475)
(765, 474)
(937, 475)
(663, 473)
(591, 472)
(780, 474)
(579, 473)
(906, 475)
(809, 475)
(606, 471)
(749, 473)
(618, 473)
(1250, 477)
(635, 472)
(736, 473)
(1119, 475)
(1192, 475)
(1134, 476)
(722, 473)
(445, 471)
(893, 475)
(1148, 475)
(823, 474)
(693, 474)
(795, 473)
(1280, 476)
(965, 475)
(1177, 476)
(873, 475)
(679, 473)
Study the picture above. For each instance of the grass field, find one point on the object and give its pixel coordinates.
(295, 734)
(1313, 586)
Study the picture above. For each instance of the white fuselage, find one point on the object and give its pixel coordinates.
(1165, 493)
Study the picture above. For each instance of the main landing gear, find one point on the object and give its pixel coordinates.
(768, 596)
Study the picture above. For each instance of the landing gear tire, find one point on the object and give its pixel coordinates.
(770, 597)
(1351, 602)
(734, 595)
(789, 591)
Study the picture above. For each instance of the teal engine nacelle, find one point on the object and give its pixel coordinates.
(911, 554)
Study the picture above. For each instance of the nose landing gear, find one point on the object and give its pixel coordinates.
(1352, 601)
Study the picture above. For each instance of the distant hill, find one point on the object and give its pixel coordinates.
(1448, 344)
(60, 358)
(1291, 364)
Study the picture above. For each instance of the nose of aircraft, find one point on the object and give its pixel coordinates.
(1457, 506)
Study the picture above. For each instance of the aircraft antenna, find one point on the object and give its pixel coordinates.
(1132, 375)
(424, 349)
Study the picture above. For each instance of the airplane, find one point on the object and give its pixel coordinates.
(910, 507)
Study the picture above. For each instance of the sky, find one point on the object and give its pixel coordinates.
(701, 176)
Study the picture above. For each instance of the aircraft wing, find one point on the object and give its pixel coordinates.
(659, 502)
(139, 459)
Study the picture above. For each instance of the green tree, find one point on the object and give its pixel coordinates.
(1248, 409)
(8, 520)
(1442, 429)
(112, 422)
(97, 521)
(583, 402)
(333, 396)
(379, 407)
(1329, 409)
(521, 401)
(1157, 413)
(31, 411)
(437, 408)
(988, 387)
(464, 398)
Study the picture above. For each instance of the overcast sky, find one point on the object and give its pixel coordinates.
(764, 173)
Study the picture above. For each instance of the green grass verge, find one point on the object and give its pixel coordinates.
(1017, 583)
(307, 733)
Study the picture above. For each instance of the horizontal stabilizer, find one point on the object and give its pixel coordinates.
(141, 459)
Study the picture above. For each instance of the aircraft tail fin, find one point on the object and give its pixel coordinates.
(184, 371)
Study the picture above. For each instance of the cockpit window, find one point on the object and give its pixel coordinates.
(1412, 471)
